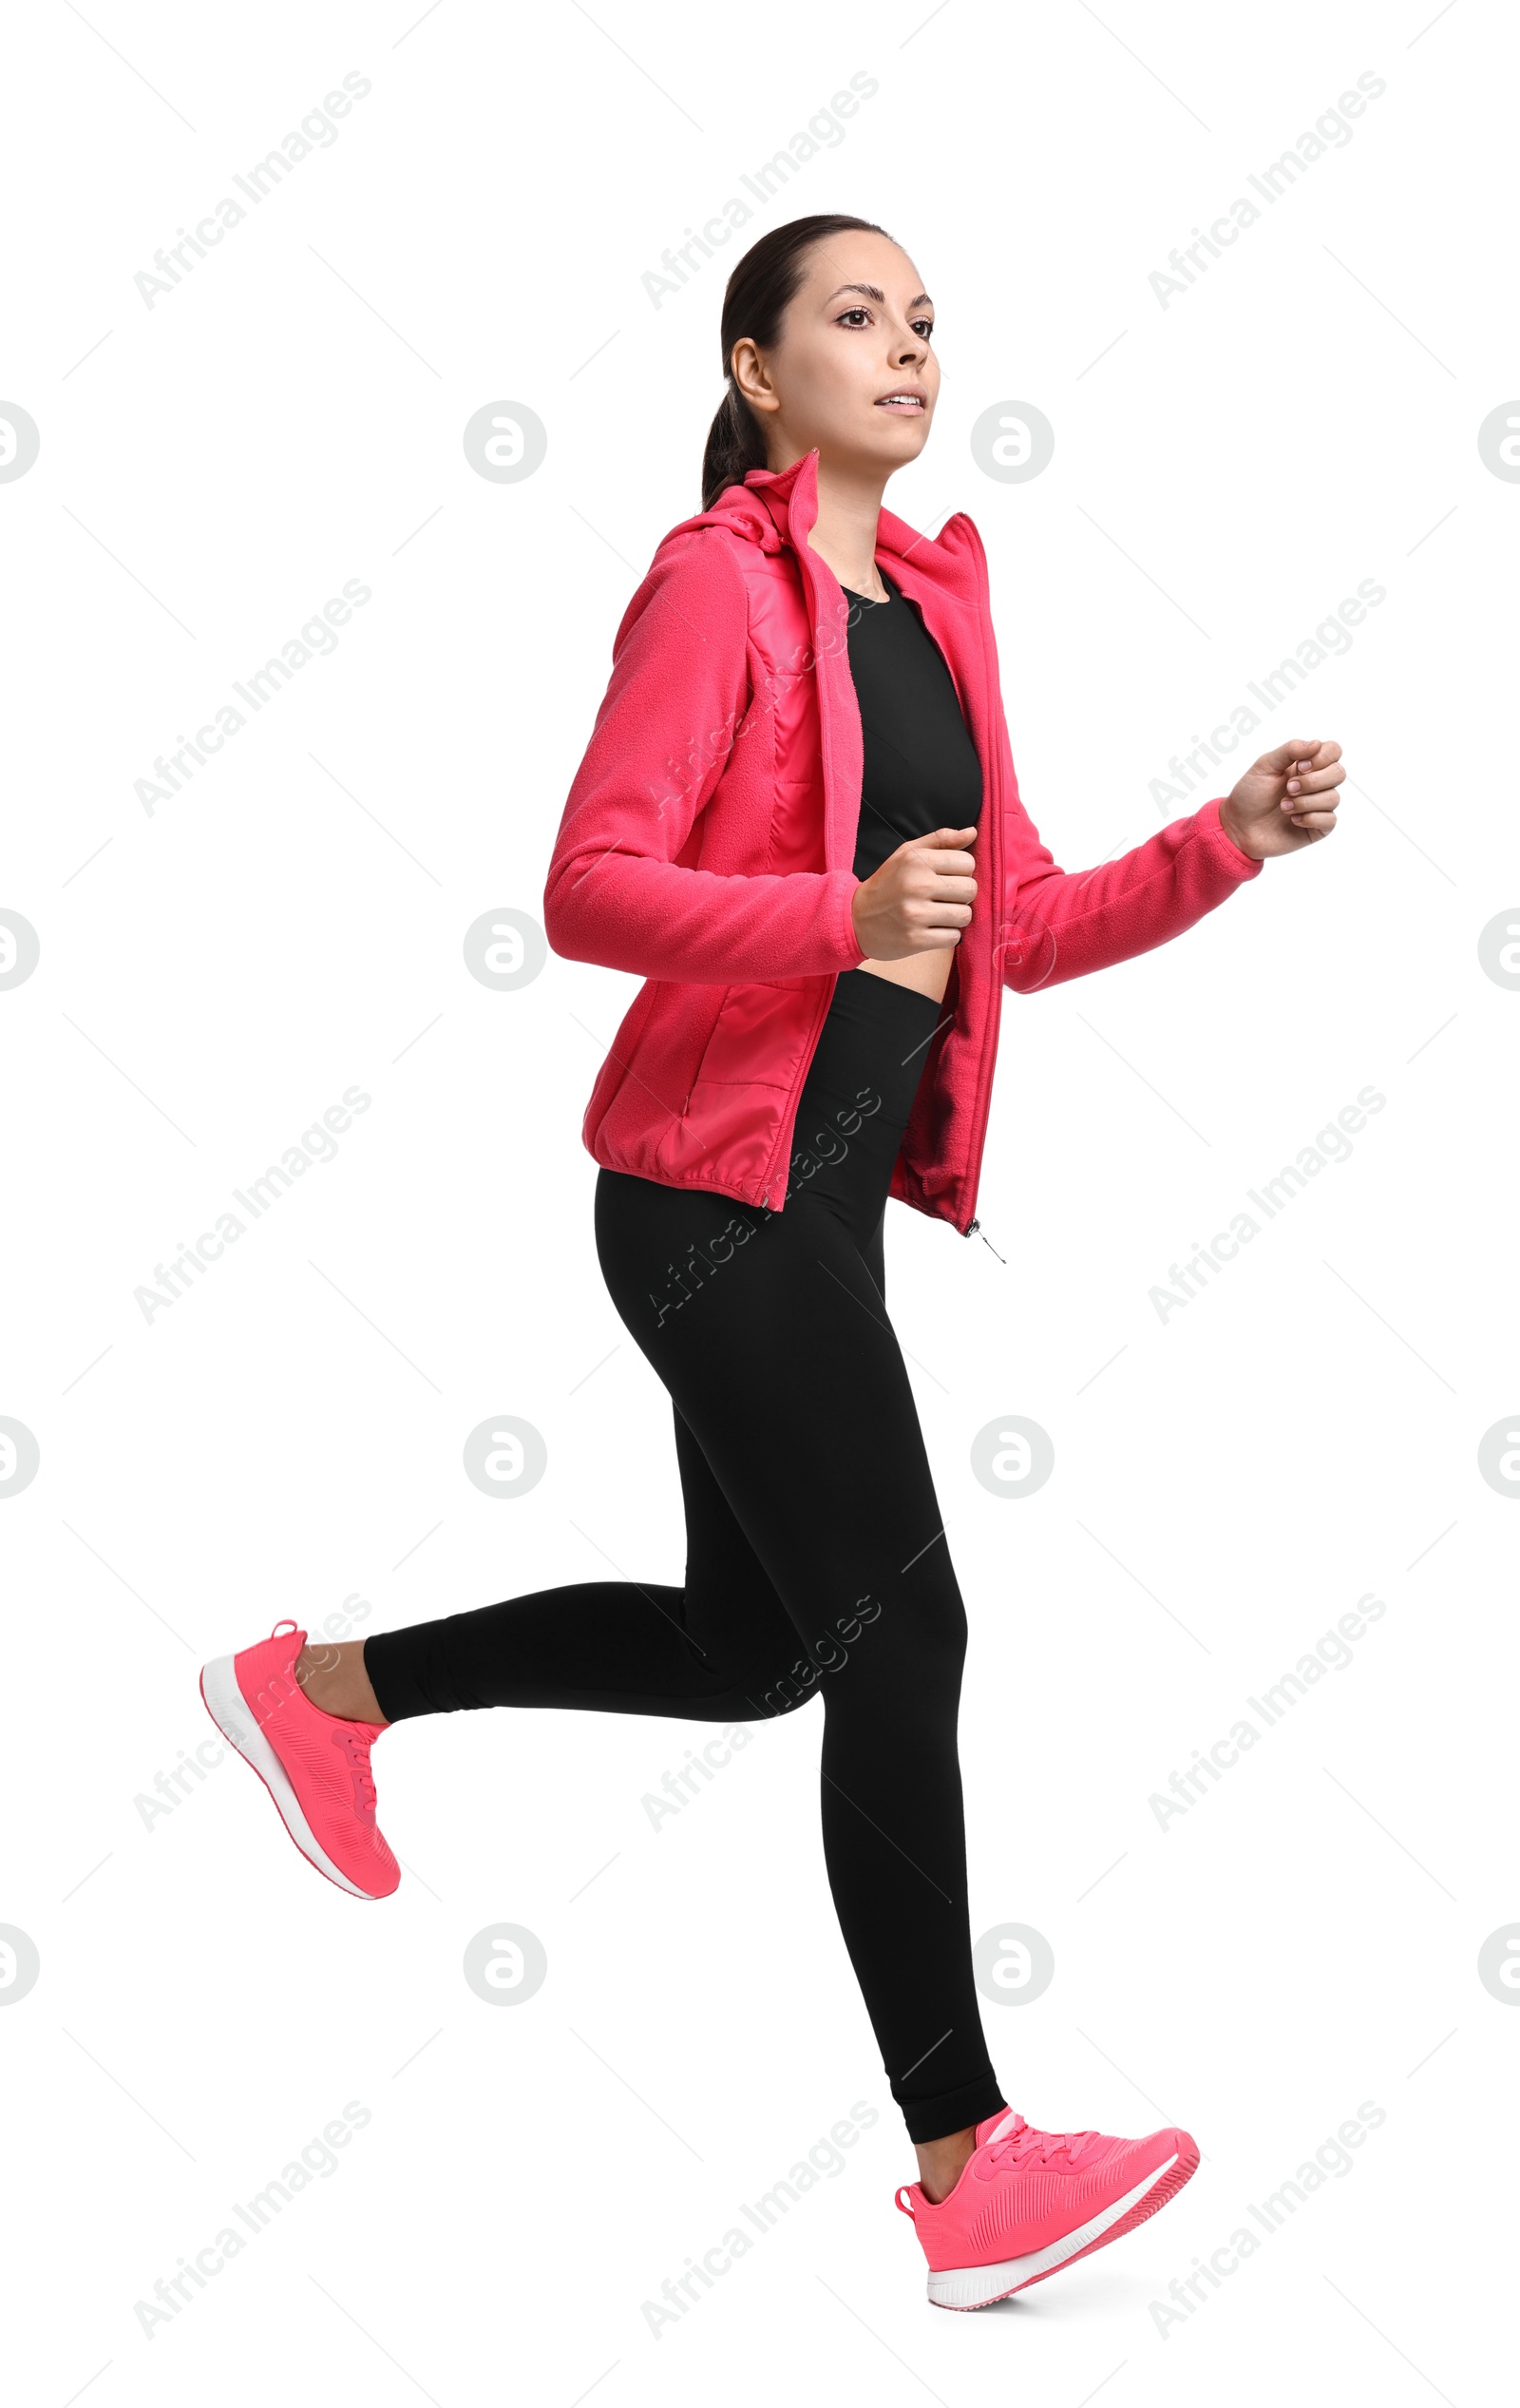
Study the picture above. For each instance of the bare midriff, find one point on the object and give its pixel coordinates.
(926, 973)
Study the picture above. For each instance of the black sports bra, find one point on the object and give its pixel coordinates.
(921, 767)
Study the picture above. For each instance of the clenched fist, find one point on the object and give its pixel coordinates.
(1285, 800)
(919, 899)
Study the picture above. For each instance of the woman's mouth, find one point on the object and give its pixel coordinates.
(910, 404)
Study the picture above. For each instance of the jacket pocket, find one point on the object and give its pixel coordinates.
(759, 1035)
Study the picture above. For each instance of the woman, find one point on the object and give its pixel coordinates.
(798, 822)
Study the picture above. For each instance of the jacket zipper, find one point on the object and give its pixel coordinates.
(992, 817)
(783, 1165)
(994, 802)
(980, 1108)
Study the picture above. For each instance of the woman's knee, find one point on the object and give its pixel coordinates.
(916, 1633)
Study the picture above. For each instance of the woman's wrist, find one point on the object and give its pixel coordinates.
(1229, 824)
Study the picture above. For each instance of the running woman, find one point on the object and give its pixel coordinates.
(797, 821)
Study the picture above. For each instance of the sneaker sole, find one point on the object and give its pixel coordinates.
(229, 1710)
(970, 2286)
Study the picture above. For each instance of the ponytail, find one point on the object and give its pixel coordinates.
(735, 444)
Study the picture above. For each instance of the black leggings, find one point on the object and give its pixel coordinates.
(816, 1561)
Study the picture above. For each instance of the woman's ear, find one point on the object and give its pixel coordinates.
(749, 374)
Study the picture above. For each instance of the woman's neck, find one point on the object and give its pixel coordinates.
(844, 533)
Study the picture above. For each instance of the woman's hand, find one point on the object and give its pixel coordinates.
(1285, 800)
(919, 899)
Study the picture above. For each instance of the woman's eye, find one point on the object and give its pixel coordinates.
(925, 326)
(864, 316)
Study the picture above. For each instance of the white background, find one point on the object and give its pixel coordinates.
(289, 1434)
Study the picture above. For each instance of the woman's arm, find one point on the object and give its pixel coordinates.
(1063, 924)
(616, 891)
(1060, 925)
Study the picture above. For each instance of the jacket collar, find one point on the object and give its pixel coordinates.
(777, 509)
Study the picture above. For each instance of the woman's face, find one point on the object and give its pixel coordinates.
(854, 371)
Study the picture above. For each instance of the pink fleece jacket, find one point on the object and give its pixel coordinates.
(707, 839)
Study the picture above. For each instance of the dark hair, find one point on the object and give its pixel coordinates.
(755, 303)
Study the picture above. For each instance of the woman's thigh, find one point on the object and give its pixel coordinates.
(730, 1614)
(770, 1334)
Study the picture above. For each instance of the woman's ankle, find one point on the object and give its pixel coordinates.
(942, 2162)
(335, 1682)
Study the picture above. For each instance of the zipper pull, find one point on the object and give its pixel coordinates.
(972, 1231)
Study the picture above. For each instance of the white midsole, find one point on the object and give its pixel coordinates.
(229, 1710)
(976, 2285)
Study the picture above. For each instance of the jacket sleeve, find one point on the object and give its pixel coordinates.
(617, 891)
(1061, 924)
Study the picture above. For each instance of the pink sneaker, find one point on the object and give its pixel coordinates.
(1028, 2203)
(315, 1766)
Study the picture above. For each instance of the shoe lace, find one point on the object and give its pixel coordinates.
(358, 1756)
(1025, 2146)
